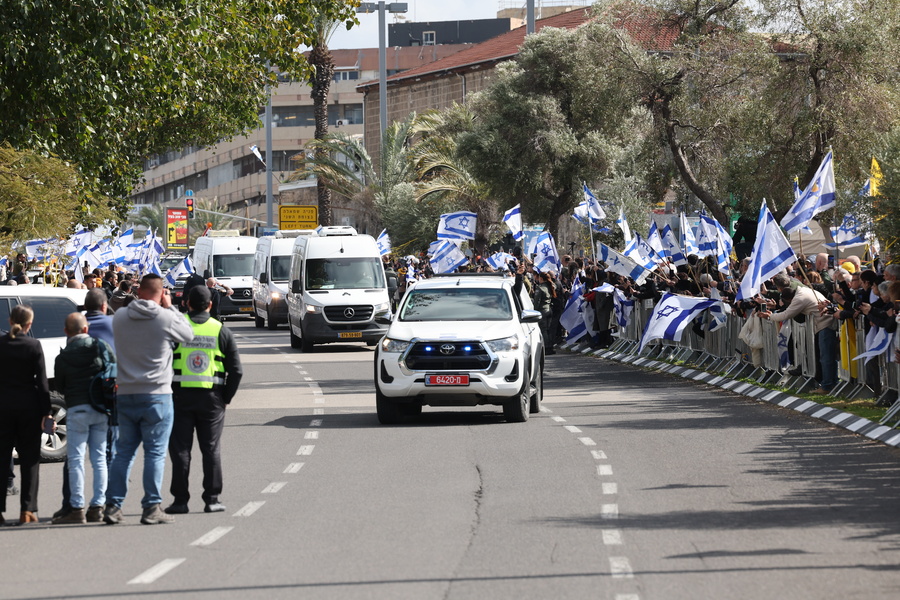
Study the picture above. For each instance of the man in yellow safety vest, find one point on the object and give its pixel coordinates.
(207, 374)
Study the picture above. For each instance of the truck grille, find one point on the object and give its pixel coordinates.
(448, 356)
(349, 314)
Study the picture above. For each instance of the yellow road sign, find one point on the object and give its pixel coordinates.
(294, 216)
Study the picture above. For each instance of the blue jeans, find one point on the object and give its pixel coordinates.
(87, 431)
(828, 357)
(143, 419)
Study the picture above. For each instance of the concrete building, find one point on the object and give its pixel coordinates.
(230, 174)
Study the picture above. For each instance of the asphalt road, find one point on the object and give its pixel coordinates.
(630, 486)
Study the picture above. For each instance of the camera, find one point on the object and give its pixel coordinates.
(831, 308)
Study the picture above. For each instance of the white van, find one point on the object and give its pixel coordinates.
(271, 276)
(228, 258)
(338, 289)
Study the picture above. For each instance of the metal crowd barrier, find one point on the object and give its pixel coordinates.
(723, 352)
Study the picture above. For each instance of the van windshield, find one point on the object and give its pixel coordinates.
(344, 273)
(281, 268)
(233, 265)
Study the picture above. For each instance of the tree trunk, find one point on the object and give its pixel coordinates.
(320, 82)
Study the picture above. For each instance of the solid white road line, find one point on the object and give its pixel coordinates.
(293, 468)
(157, 571)
(311, 435)
(249, 508)
(609, 511)
(305, 450)
(612, 537)
(572, 429)
(604, 470)
(274, 487)
(558, 419)
(211, 537)
(598, 454)
(315, 423)
(587, 441)
(620, 567)
(610, 488)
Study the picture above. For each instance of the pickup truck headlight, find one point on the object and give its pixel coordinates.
(313, 309)
(504, 344)
(389, 345)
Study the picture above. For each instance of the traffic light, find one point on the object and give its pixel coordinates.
(190, 207)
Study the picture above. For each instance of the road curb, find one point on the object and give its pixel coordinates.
(832, 416)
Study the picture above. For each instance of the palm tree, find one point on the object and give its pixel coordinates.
(320, 60)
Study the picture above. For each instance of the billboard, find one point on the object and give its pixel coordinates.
(176, 229)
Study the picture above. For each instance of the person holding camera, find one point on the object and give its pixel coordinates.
(25, 410)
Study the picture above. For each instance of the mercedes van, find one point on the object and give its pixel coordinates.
(229, 258)
(271, 273)
(338, 289)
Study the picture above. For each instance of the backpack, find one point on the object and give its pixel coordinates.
(103, 389)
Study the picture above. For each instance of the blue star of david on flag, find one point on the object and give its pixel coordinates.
(458, 225)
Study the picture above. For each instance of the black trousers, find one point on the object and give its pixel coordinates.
(208, 422)
(21, 429)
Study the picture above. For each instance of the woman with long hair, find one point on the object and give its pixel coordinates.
(24, 407)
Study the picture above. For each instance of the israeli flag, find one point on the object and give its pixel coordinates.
(572, 317)
(513, 220)
(819, 196)
(640, 252)
(433, 247)
(718, 242)
(622, 222)
(671, 248)
(847, 234)
(623, 308)
(384, 242)
(688, 243)
(35, 249)
(447, 258)
(547, 258)
(706, 236)
(255, 150)
(878, 341)
(772, 252)
(718, 312)
(655, 240)
(154, 268)
(499, 261)
(185, 267)
(457, 226)
(620, 264)
(580, 215)
(784, 337)
(671, 315)
(592, 205)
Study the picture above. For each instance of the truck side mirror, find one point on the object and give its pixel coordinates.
(264, 278)
(295, 286)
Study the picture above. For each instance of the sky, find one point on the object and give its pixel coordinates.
(366, 34)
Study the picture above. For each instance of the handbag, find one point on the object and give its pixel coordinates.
(103, 389)
(751, 332)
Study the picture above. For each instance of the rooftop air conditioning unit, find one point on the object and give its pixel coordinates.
(340, 123)
(335, 230)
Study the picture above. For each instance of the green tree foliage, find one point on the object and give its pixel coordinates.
(104, 83)
(551, 119)
(40, 197)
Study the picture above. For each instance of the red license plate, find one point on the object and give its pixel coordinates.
(446, 380)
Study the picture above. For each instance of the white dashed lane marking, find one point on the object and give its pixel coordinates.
(211, 537)
(612, 537)
(604, 470)
(274, 487)
(558, 419)
(156, 571)
(587, 441)
(249, 508)
(315, 423)
(311, 435)
(305, 450)
(609, 511)
(620, 567)
(572, 429)
(610, 488)
(293, 468)
(318, 411)
(598, 454)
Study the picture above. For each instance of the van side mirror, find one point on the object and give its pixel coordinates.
(383, 318)
(295, 286)
(264, 278)
(206, 274)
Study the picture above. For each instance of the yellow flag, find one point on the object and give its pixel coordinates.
(876, 177)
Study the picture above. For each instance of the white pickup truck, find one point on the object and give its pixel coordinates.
(461, 341)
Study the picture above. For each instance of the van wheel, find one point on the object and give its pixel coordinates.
(306, 344)
(271, 325)
(295, 341)
(258, 321)
(515, 409)
(53, 446)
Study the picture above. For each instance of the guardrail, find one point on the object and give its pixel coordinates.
(723, 352)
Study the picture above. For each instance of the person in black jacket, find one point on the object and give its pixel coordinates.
(206, 379)
(24, 407)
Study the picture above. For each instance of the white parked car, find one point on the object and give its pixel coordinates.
(51, 306)
(461, 341)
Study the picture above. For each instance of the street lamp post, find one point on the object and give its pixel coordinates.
(394, 7)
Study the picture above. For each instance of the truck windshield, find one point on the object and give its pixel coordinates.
(281, 268)
(233, 265)
(457, 305)
(344, 273)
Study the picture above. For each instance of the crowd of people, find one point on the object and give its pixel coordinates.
(156, 395)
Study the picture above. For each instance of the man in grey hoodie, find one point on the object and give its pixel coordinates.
(145, 332)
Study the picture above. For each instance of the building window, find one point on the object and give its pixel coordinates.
(428, 38)
(345, 75)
